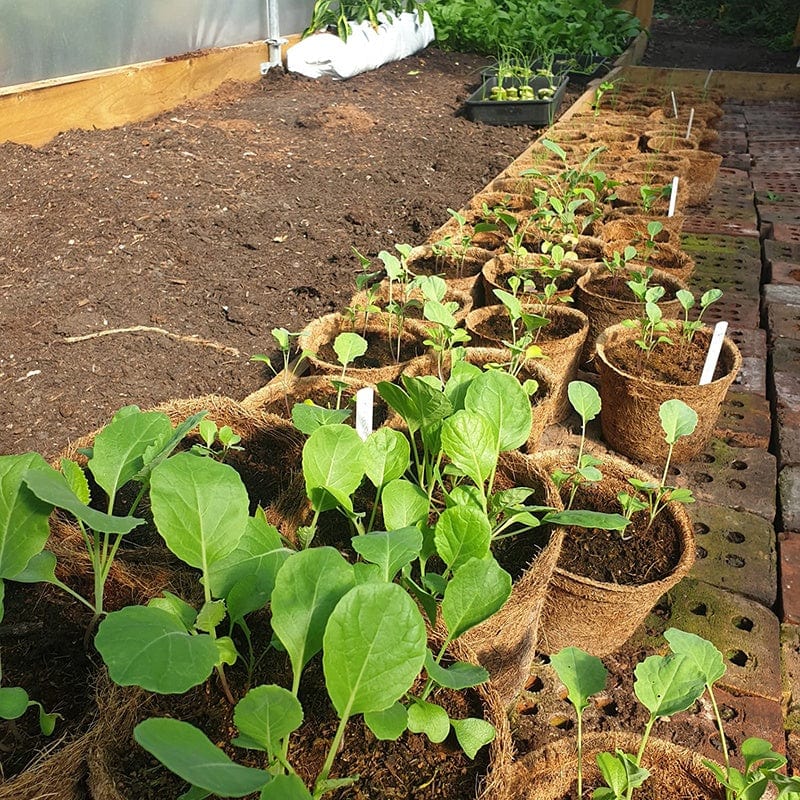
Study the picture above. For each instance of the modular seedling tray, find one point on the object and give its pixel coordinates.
(514, 112)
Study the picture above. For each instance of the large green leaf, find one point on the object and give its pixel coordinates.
(265, 715)
(706, 658)
(476, 591)
(462, 532)
(259, 554)
(189, 753)
(404, 504)
(462, 373)
(149, 647)
(332, 466)
(582, 674)
(374, 648)
(307, 588)
(200, 508)
(119, 449)
(499, 397)
(666, 685)
(52, 487)
(349, 346)
(390, 550)
(469, 440)
(24, 524)
(387, 455)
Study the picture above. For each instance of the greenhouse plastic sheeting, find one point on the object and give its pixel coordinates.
(52, 38)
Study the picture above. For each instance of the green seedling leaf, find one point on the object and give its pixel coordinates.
(189, 753)
(459, 675)
(332, 466)
(439, 313)
(685, 298)
(211, 614)
(47, 722)
(390, 550)
(702, 653)
(307, 588)
(620, 772)
(200, 507)
(401, 402)
(226, 651)
(374, 647)
(307, 417)
(264, 716)
(179, 608)
(149, 647)
(469, 440)
(387, 455)
(554, 148)
(389, 724)
(582, 674)
(462, 532)
(259, 555)
(430, 719)
(677, 419)
(367, 573)
(40, 569)
(499, 397)
(51, 487)
(404, 504)
(13, 702)
(759, 752)
(349, 346)
(462, 373)
(207, 430)
(156, 454)
(473, 734)
(119, 450)
(709, 297)
(285, 787)
(666, 685)
(589, 519)
(585, 399)
(76, 480)
(477, 590)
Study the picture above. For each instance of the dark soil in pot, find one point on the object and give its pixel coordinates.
(380, 351)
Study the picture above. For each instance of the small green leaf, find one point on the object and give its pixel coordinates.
(211, 614)
(666, 685)
(462, 533)
(469, 440)
(430, 719)
(188, 752)
(477, 590)
(265, 716)
(389, 724)
(349, 346)
(307, 417)
(76, 479)
(582, 674)
(585, 400)
(459, 675)
(13, 702)
(404, 504)
(40, 569)
(706, 658)
(473, 734)
(390, 550)
(285, 787)
(226, 651)
(174, 605)
(677, 419)
(332, 466)
(386, 456)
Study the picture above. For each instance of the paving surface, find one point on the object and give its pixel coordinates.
(744, 591)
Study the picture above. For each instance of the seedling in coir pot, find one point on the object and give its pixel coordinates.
(525, 328)
(126, 451)
(686, 299)
(667, 685)
(283, 339)
(605, 86)
(456, 246)
(677, 420)
(444, 332)
(14, 702)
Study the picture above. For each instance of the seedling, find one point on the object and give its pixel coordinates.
(289, 370)
(583, 675)
(651, 194)
(653, 327)
(14, 702)
(677, 420)
(348, 346)
(605, 86)
(686, 299)
(620, 258)
(211, 434)
(456, 246)
(444, 332)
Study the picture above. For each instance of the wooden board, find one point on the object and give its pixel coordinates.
(35, 113)
(741, 85)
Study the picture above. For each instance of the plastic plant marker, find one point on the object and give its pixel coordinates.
(365, 399)
(673, 197)
(191, 755)
(714, 349)
(691, 120)
(674, 104)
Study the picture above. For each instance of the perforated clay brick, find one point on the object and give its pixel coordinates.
(745, 420)
(735, 551)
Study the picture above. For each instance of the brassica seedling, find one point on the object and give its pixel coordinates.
(686, 299)
(677, 420)
(283, 338)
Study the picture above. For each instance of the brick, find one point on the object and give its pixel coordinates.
(784, 232)
(783, 320)
(789, 551)
(781, 251)
(741, 478)
(793, 752)
(735, 551)
(790, 676)
(745, 420)
(744, 631)
(717, 222)
(752, 342)
(752, 376)
(785, 272)
(787, 436)
(789, 498)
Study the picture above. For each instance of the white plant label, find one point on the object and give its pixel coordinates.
(691, 120)
(714, 349)
(674, 104)
(365, 399)
(708, 79)
(673, 197)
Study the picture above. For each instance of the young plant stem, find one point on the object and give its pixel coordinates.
(580, 755)
(640, 753)
(322, 778)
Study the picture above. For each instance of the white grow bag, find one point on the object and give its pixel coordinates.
(365, 48)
